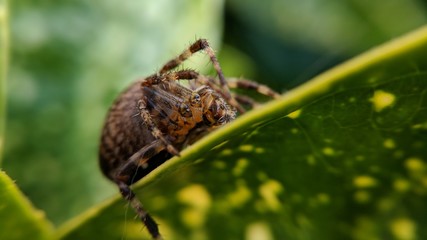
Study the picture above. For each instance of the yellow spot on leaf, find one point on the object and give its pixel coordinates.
(420, 126)
(269, 191)
(328, 151)
(364, 181)
(240, 196)
(198, 200)
(219, 164)
(258, 231)
(259, 150)
(323, 198)
(193, 218)
(401, 185)
(240, 167)
(414, 164)
(246, 148)
(403, 229)
(389, 143)
(226, 152)
(382, 99)
(295, 114)
(311, 160)
(195, 195)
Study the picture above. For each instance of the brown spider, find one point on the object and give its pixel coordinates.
(155, 118)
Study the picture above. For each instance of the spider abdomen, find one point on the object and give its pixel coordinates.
(123, 133)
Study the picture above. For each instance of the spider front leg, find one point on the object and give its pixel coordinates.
(199, 45)
(200, 79)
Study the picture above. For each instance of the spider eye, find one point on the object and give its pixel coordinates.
(195, 99)
(184, 110)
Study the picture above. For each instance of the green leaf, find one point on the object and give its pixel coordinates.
(342, 156)
(4, 54)
(18, 219)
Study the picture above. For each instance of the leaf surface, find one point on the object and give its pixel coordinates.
(342, 156)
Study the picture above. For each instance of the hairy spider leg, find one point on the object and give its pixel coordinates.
(243, 84)
(148, 221)
(122, 178)
(251, 85)
(170, 76)
(199, 45)
(245, 100)
(189, 75)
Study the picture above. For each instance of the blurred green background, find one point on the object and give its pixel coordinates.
(69, 59)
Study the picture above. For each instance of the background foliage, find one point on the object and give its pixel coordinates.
(69, 60)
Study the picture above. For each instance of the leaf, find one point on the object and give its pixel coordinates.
(342, 156)
(18, 219)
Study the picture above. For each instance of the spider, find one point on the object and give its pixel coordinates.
(156, 117)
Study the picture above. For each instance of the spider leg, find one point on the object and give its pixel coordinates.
(189, 75)
(245, 100)
(170, 76)
(247, 84)
(148, 221)
(122, 179)
(155, 131)
(199, 45)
